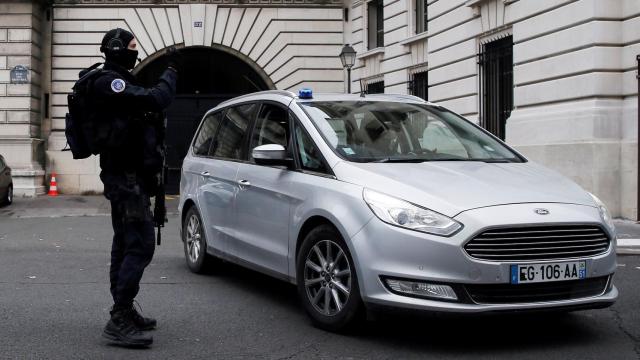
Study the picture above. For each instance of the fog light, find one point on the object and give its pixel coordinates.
(422, 289)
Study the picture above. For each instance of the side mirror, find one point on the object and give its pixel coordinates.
(271, 155)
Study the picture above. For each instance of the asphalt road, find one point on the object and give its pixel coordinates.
(54, 303)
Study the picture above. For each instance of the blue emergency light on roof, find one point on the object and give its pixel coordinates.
(305, 94)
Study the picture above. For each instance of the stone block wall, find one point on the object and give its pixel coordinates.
(575, 87)
(294, 46)
(21, 24)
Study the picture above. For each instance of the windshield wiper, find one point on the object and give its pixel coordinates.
(400, 160)
(475, 160)
(421, 160)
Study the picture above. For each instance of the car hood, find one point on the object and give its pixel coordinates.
(453, 187)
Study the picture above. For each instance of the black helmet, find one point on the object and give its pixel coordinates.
(114, 46)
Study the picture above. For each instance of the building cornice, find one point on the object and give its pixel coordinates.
(316, 3)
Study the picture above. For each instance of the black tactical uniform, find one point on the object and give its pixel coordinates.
(131, 164)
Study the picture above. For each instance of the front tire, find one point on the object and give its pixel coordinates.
(195, 243)
(327, 280)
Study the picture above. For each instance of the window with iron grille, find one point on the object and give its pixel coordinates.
(420, 16)
(419, 84)
(375, 87)
(496, 85)
(375, 24)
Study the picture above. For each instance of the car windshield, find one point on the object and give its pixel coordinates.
(385, 131)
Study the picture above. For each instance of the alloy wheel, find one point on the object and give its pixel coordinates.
(327, 277)
(194, 238)
(10, 195)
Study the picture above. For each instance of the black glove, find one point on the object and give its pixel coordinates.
(174, 58)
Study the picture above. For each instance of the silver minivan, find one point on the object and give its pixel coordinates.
(383, 201)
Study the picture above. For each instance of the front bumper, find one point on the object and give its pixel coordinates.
(380, 250)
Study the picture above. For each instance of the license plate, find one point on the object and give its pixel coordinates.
(535, 273)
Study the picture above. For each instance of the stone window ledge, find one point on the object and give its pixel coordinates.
(472, 3)
(415, 38)
(369, 53)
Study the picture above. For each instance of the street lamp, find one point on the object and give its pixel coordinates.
(348, 58)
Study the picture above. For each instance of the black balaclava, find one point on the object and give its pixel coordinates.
(114, 46)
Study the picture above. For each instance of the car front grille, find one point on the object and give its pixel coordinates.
(537, 292)
(538, 243)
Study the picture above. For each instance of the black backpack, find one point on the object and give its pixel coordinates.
(86, 133)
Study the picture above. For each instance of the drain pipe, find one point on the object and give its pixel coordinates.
(638, 139)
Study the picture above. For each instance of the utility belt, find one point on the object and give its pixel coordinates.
(128, 195)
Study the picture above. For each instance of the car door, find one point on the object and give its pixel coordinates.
(217, 192)
(210, 192)
(264, 199)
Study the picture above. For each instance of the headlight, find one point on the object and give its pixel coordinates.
(404, 214)
(604, 213)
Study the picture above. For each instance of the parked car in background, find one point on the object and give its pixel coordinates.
(389, 201)
(6, 183)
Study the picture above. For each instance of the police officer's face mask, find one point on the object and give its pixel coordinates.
(130, 58)
(125, 58)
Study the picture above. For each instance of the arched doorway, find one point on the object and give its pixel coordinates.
(210, 76)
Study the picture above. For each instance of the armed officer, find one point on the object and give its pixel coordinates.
(131, 164)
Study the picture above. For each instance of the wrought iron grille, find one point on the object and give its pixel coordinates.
(419, 84)
(375, 87)
(496, 84)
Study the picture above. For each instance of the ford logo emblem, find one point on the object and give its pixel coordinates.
(541, 211)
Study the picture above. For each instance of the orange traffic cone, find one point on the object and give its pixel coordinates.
(53, 189)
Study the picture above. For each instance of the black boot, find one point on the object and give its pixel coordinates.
(121, 330)
(141, 322)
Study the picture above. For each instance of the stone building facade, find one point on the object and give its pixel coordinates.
(21, 119)
(573, 72)
(555, 78)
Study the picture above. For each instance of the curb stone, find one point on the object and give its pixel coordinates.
(628, 247)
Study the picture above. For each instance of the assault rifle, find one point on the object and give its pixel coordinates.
(160, 208)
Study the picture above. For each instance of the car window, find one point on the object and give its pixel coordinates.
(310, 157)
(434, 135)
(272, 126)
(2, 165)
(386, 131)
(205, 137)
(231, 136)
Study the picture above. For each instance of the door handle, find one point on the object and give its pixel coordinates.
(244, 183)
(205, 173)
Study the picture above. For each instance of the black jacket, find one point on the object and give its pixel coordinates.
(120, 101)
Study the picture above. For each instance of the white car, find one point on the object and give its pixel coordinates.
(387, 200)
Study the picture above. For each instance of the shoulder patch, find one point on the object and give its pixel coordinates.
(117, 85)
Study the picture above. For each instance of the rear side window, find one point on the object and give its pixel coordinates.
(231, 136)
(205, 137)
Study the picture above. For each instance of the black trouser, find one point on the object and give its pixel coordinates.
(131, 252)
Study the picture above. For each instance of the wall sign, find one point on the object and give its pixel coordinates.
(197, 24)
(19, 75)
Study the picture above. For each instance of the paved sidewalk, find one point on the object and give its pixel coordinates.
(66, 206)
(96, 205)
(628, 236)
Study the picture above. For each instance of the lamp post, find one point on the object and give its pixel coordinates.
(638, 161)
(348, 58)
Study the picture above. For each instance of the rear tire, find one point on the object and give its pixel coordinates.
(195, 243)
(8, 199)
(327, 280)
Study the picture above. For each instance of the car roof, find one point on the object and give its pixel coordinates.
(288, 96)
